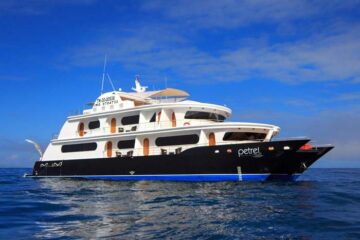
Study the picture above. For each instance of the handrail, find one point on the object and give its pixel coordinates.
(149, 126)
(174, 149)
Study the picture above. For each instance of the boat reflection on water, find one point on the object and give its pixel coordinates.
(150, 209)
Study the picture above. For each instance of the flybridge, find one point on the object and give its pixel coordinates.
(116, 100)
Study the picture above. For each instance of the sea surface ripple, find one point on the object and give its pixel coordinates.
(323, 204)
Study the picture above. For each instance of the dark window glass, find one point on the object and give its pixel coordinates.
(153, 118)
(243, 136)
(126, 144)
(79, 147)
(204, 115)
(94, 124)
(177, 140)
(130, 120)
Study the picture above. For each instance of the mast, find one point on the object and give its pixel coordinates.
(103, 76)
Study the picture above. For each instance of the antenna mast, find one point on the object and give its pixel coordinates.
(111, 82)
(103, 76)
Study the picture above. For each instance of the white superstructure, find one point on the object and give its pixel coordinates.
(144, 123)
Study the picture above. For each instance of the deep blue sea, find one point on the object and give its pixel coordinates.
(322, 204)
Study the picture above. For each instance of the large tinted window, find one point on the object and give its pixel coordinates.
(94, 124)
(79, 147)
(126, 144)
(177, 140)
(204, 115)
(130, 120)
(153, 118)
(243, 136)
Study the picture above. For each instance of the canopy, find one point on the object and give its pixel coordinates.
(170, 92)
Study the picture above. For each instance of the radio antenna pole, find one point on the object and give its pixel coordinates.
(111, 82)
(103, 76)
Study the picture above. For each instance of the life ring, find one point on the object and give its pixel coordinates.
(186, 124)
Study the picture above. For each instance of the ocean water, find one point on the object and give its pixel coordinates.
(322, 204)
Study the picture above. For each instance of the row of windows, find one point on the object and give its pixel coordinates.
(130, 120)
(166, 141)
(126, 144)
(204, 116)
(83, 147)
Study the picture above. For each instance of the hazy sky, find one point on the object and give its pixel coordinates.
(295, 64)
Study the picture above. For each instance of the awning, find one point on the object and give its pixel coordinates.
(170, 92)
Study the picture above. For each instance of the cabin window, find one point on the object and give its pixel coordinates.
(177, 140)
(129, 120)
(94, 124)
(81, 147)
(243, 136)
(125, 144)
(204, 116)
(153, 118)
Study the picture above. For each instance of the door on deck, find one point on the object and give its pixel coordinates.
(173, 120)
(81, 129)
(146, 147)
(113, 125)
(109, 149)
(212, 141)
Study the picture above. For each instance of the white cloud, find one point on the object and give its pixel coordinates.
(235, 13)
(321, 57)
(349, 96)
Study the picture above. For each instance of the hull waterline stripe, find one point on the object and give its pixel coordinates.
(183, 177)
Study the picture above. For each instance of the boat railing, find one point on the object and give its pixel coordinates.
(147, 126)
(170, 150)
(75, 112)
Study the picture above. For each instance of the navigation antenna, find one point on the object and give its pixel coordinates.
(103, 76)
(107, 75)
(111, 82)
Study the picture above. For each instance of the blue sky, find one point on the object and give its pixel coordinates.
(295, 64)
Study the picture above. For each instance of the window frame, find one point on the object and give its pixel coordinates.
(202, 115)
(132, 120)
(79, 147)
(176, 140)
(243, 136)
(130, 142)
(97, 122)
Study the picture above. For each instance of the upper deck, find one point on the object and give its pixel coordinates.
(118, 100)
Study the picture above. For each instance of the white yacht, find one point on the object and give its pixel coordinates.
(161, 135)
